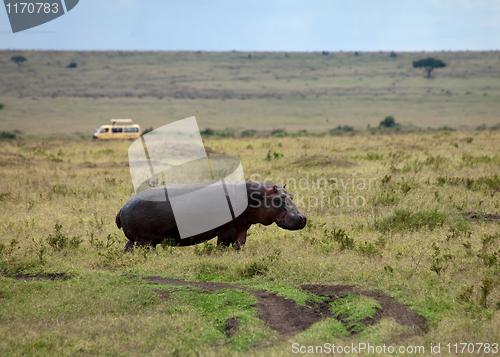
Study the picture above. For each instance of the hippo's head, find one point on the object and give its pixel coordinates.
(271, 203)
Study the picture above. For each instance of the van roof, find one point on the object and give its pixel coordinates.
(121, 121)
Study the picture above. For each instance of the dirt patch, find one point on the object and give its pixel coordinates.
(54, 276)
(231, 327)
(284, 315)
(288, 318)
(164, 295)
(481, 216)
(390, 307)
(323, 160)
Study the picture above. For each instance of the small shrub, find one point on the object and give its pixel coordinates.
(1, 106)
(58, 240)
(386, 198)
(446, 128)
(368, 249)
(488, 284)
(341, 130)
(206, 250)
(255, 268)
(403, 219)
(340, 236)
(97, 243)
(489, 239)
(405, 187)
(261, 266)
(388, 122)
(268, 156)
(7, 135)
(168, 243)
(466, 294)
(147, 130)
(110, 181)
(207, 132)
(209, 270)
(4, 196)
(373, 156)
(248, 133)
(279, 132)
(488, 259)
(436, 259)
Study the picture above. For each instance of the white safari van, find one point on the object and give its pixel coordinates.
(119, 129)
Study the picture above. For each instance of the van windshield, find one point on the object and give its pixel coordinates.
(102, 129)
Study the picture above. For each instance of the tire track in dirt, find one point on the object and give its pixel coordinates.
(288, 318)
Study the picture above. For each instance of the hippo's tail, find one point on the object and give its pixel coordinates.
(118, 222)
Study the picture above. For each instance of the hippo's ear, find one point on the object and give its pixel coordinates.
(272, 190)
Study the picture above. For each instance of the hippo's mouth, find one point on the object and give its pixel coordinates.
(281, 217)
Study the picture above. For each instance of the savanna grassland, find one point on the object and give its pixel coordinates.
(240, 90)
(425, 232)
(406, 217)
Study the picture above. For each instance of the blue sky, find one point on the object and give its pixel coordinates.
(272, 25)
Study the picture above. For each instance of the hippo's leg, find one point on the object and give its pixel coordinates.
(240, 239)
(129, 246)
(225, 238)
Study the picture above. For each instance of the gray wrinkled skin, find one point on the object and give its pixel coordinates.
(149, 222)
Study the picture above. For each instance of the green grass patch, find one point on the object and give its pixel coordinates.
(406, 220)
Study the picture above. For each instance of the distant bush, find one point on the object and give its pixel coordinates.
(72, 65)
(393, 54)
(481, 127)
(207, 132)
(278, 132)
(226, 133)
(147, 130)
(388, 122)
(1, 106)
(495, 127)
(7, 135)
(446, 128)
(341, 130)
(248, 133)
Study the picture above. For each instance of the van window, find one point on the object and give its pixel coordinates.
(117, 130)
(131, 130)
(104, 130)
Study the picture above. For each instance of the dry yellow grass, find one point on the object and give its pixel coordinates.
(419, 238)
(293, 91)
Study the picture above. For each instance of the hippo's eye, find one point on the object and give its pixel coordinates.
(277, 201)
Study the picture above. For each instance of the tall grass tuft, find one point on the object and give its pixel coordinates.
(404, 220)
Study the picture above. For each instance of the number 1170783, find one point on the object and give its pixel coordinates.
(32, 8)
(464, 347)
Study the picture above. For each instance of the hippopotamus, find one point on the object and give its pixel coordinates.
(147, 222)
